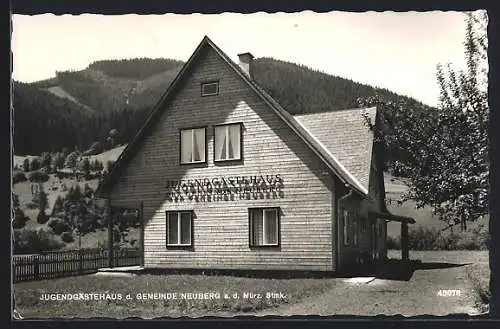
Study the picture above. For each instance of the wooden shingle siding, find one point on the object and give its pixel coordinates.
(220, 228)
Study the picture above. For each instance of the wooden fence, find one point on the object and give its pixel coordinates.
(55, 264)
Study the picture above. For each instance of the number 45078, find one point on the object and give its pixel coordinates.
(448, 293)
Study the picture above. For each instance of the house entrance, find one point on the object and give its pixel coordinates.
(125, 235)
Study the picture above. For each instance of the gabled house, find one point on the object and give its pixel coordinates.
(226, 179)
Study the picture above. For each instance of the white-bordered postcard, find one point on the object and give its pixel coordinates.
(250, 164)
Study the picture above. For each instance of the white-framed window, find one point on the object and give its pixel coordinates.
(345, 229)
(179, 228)
(264, 227)
(193, 145)
(210, 88)
(228, 142)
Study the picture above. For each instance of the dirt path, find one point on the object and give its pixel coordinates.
(418, 296)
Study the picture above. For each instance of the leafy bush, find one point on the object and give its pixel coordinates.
(71, 159)
(426, 238)
(35, 164)
(34, 241)
(58, 225)
(38, 176)
(42, 217)
(19, 222)
(32, 205)
(26, 165)
(67, 237)
(18, 176)
(58, 205)
(393, 243)
(422, 238)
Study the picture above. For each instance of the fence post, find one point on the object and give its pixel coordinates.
(110, 234)
(36, 269)
(141, 236)
(405, 250)
(80, 261)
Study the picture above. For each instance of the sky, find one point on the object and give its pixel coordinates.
(397, 51)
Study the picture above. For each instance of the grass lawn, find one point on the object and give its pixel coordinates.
(479, 276)
(29, 304)
(477, 269)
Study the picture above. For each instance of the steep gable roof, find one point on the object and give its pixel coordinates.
(312, 142)
(346, 137)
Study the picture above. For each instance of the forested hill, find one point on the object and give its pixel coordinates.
(79, 108)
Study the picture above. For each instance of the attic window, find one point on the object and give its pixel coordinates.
(210, 88)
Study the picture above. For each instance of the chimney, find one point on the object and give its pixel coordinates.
(245, 63)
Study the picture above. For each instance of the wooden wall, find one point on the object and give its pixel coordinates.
(221, 227)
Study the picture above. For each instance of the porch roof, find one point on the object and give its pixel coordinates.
(394, 218)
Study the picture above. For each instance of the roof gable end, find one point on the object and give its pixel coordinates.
(316, 145)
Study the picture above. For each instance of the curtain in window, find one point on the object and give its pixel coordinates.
(220, 143)
(234, 140)
(271, 224)
(257, 228)
(186, 146)
(199, 145)
(173, 236)
(185, 228)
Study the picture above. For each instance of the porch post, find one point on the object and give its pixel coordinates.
(110, 234)
(405, 252)
(141, 237)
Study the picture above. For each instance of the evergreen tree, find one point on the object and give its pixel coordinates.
(58, 206)
(86, 165)
(42, 217)
(35, 164)
(26, 165)
(19, 219)
(81, 212)
(71, 160)
(45, 160)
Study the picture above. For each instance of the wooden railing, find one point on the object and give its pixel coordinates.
(54, 264)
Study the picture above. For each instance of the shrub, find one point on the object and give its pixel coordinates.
(71, 159)
(67, 237)
(34, 241)
(18, 176)
(422, 238)
(35, 164)
(42, 217)
(58, 225)
(427, 238)
(19, 222)
(26, 165)
(393, 243)
(58, 205)
(38, 177)
(32, 205)
(109, 166)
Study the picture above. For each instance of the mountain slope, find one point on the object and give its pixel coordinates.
(61, 93)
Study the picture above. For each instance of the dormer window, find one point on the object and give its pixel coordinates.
(210, 88)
